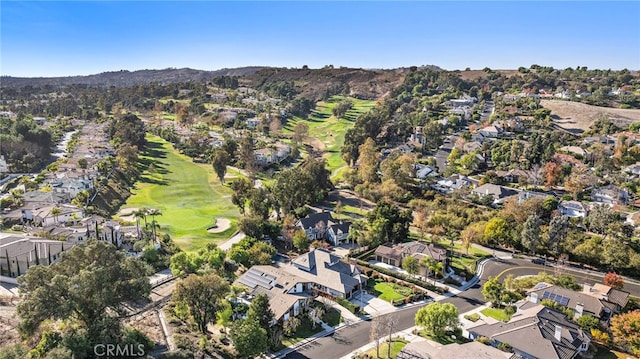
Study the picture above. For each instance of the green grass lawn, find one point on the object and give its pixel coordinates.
(304, 331)
(332, 317)
(606, 353)
(446, 338)
(497, 314)
(390, 291)
(330, 130)
(396, 346)
(189, 196)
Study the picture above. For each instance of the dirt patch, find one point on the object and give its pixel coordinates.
(222, 224)
(578, 117)
(8, 324)
(149, 324)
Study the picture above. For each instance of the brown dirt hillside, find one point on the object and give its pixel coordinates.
(577, 117)
(314, 83)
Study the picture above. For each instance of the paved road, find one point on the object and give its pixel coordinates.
(348, 339)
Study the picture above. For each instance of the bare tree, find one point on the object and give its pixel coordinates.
(321, 228)
(376, 331)
(390, 323)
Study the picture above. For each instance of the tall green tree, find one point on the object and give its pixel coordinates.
(220, 159)
(368, 161)
(410, 264)
(530, 236)
(249, 338)
(557, 233)
(437, 317)
(492, 290)
(203, 295)
(89, 285)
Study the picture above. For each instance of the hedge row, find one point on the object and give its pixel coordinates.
(401, 276)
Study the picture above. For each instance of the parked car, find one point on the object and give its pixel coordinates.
(538, 261)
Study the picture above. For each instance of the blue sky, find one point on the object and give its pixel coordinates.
(85, 37)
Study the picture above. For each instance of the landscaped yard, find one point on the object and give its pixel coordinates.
(396, 346)
(304, 331)
(189, 196)
(497, 314)
(332, 317)
(449, 337)
(329, 130)
(389, 291)
(606, 353)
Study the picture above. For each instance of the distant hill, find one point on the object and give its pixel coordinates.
(128, 78)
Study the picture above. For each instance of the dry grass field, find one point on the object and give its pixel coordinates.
(578, 117)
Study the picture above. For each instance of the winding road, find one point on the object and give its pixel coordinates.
(347, 339)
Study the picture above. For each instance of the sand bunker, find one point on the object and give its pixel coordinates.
(222, 224)
(126, 214)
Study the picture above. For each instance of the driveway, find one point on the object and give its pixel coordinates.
(372, 305)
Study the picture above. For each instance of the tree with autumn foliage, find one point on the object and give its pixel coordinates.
(613, 280)
(626, 330)
(552, 173)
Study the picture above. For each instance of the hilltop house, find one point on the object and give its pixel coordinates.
(536, 332)
(572, 209)
(610, 195)
(499, 193)
(323, 226)
(18, 253)
(490, 131)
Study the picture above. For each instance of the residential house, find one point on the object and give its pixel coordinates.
(394, 255)
(465, 100)
(513, 175)
(289, 294)
(537, 332)
(72, 186)
(4, 167)
(45, 197)
(473, 350)
(39, 120)
(579, 151)
(48, 214)
(264, 156)
(565, 95)
(322, 225)
(525, 195)
(328, 275)
(490, 131)
(425, 171)
(610, 195)
(600, 302)
(632, 169)
(472, 146)
(18, 253)
(417, 136)
(572, 209)
(282, 151)
(499, 193)
(252, 122)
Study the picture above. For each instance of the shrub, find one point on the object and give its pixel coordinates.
(510, 310)
(484, 340)
(474, 318)
(505, 347)
(600, 336)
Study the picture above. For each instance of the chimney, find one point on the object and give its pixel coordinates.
(533, 297)
(579, 310)
(558, 333)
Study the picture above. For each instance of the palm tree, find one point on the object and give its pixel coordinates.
(153, 212)
(138, 214)
(55, 212)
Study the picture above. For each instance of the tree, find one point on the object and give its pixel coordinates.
(342, 107)
(492, 290)
(291, 325)
(225, 315)
(203, 295)
(390, 322)
(391, 220)
(300, 132)
(558, 228)
(316, 315)
(376, 331)
(55, 212)
(496, 231)
(437, 317)
(249, 338)
(626, 330)
(260, 311)
(615, 254)
(153, 212)
(410, 264)
(220, 159)
(577, 181)
(300, 241)
(613, 280)
(471, 234)
(89, 285)
(247, 155)
(530, 235)
(241, 189)
(588, 322)
(368, 161)
(552, 173)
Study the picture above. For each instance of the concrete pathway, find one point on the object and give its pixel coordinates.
(235, 239)
(348, 318)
